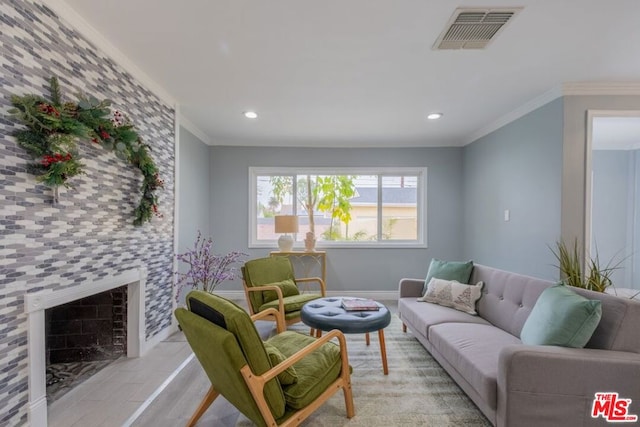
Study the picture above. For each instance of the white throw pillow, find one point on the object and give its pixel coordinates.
(451, 293)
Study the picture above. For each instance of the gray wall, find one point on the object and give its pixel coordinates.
(517, 167)
(615, 234)
(347, 269)
(574, 152)
(89, 235)
(194, 193)
(613, 209)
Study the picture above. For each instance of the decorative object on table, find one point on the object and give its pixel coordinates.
(206, 269)
(597, 278)
(310, 242)
(53, 127)
(286, 224)
(359, 304)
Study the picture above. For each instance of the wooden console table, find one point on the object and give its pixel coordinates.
(306, 262)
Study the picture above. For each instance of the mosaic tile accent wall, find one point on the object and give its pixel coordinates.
(89, 233)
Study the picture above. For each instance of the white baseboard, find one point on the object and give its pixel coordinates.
(233, 295)
(377, 295)
(159, 337)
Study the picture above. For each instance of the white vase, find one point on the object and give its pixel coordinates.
(310, 242)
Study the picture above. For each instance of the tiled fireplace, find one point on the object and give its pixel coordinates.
(38, 306)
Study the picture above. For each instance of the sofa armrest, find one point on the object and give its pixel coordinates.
(410, 288)
(549, 385)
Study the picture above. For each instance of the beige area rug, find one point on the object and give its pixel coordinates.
(417, 391)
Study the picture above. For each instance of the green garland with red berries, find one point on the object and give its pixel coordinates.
(53, 128)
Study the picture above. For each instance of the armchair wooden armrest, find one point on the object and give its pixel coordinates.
(271, 313)
(256, 383)
(279, 315)
(323, 286)
(300, 354)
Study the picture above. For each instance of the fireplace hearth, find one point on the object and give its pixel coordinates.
(38, 303)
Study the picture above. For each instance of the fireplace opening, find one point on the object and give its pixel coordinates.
(82, 337)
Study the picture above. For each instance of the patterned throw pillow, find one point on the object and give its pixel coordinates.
(448, 270)
(451, 293)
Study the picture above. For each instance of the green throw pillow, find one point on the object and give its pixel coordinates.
(286, 377)
(288, 287)
(561, 317)
(448, 270)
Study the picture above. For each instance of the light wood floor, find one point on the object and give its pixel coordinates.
(111, 396)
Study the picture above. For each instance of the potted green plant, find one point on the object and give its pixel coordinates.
(594, 277)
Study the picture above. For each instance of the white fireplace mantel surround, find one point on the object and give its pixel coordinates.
(35, 305)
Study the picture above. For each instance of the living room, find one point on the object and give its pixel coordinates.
(505, 164)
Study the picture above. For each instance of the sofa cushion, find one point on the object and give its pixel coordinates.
(618, 328)
(448, 270)
(561, 317)
(423, 315)
(454, 294)
(473, 349)
(507, 298)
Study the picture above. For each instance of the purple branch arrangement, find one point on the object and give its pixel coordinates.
(207, 269)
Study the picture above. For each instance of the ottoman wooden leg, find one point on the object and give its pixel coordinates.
(383, 351)
(366, 338)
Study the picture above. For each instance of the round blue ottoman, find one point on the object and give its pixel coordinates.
(325, 314)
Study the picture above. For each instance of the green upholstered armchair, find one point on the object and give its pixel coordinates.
(278, 382)
(270, 283)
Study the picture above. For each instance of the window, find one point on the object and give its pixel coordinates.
(345, 207)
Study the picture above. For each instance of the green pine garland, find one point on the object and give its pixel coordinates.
(53, 128)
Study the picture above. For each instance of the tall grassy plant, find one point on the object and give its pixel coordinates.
(595, 277)
(569, 263)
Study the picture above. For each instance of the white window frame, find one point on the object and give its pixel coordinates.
(421, 204)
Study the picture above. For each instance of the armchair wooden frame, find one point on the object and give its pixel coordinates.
(281, 312)
(256, 383)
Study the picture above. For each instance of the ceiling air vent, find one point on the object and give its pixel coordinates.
(474, 28)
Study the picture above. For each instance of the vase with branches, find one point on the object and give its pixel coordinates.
(206, 270)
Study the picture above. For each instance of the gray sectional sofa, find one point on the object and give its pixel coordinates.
(520, 385)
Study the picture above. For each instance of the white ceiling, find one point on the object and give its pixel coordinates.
(360, 72)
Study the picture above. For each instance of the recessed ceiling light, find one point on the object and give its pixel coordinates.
(251, 114)
(434, 116)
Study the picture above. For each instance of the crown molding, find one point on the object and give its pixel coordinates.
(195, 130)
(601, 88)
(537, 102)
(566, 89)
(68, 14)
